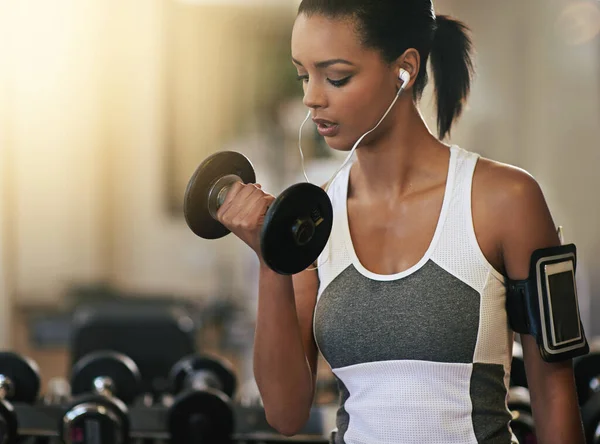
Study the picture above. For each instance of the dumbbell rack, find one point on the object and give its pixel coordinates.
(105, 405)
(151, 423)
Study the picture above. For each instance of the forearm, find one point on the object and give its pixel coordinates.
(556, 410)
(281, 368)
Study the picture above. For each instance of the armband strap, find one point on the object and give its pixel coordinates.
(545, 305)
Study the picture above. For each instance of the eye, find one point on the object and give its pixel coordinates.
(340, 83)
(303, 78)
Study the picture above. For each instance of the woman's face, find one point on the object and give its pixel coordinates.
(347, 87)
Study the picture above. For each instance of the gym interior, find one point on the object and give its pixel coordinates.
(106, 110)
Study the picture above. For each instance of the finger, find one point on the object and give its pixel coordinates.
(255, 216)
(264, 205)
(251, 201)
(234, 201)
(241, 190)
(233, 191)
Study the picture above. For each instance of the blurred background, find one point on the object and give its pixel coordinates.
(108, 106)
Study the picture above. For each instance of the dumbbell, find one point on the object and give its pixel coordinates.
(296, 227)
(518, 377)
(103, 383)
(590, 417)
(587, 374)
(522, 424)
(19, 382)
(201, 409)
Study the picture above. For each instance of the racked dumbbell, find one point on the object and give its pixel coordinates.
(590, 417)
(296, 227)
(104, 383)
(518, 377)
(587, 374)
(201, 410)
(522, 425)
(19, 382)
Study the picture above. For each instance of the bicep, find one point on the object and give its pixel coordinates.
(528, 226)
(306, 286)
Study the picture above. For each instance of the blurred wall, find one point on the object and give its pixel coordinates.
(88, 119)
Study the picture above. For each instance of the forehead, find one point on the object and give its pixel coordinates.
(321, 38)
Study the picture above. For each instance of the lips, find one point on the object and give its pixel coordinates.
(324, 122)
(326, 128)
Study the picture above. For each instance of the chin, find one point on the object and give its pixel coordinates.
(338, 143)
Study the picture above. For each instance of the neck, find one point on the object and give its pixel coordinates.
(389, 167)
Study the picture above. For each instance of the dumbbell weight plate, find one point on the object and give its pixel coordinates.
(24, 375)
(95, 418)
(590, 417)
(8, 423)
(201, 416)
(195, 203)
(121, 369)
(523, 427)
(522, 424)
(518, 377)
(587, 371)
(296, 228)
(197, 363)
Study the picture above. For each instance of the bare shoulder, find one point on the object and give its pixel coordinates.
(511, 194)
(512, 205)
(506, 184)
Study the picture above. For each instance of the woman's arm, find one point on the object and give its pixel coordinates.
(285, 355)
(528, 226)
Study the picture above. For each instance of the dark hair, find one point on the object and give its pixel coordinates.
(393, 26)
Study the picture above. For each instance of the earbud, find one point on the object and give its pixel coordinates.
(404, 75)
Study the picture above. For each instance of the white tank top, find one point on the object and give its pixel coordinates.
(421, 356)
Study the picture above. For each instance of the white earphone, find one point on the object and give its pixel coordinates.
(404, 76)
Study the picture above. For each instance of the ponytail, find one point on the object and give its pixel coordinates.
(452, 66)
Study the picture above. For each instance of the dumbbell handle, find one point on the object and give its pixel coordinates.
(7, 389)
(218, 193)
(202, 380)
(104, 385)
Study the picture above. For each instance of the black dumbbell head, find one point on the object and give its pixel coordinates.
(24, 375)
(590, 416)
(8, 423)
(296, 228)
(195, 203)
(121, 369)
(201, 416)
(110, 417)
(587, 375)
(523, 427)
(186, 367)
(518, 377)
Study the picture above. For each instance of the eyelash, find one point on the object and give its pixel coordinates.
(335, 83)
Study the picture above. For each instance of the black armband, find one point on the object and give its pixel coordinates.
(546, 306)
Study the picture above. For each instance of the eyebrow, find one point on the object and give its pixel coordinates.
(326, 63)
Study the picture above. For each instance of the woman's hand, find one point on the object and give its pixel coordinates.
(243, 213)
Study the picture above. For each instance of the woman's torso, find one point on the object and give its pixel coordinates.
(422, 355)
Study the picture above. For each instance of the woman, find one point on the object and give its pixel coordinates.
(408, 302)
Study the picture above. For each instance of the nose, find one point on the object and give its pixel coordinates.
(314, 96)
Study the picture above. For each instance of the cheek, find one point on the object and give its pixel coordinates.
(364, 102)
(359, 110)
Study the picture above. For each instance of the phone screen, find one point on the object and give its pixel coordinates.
(563, 297)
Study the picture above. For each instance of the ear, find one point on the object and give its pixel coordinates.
(411, 62)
